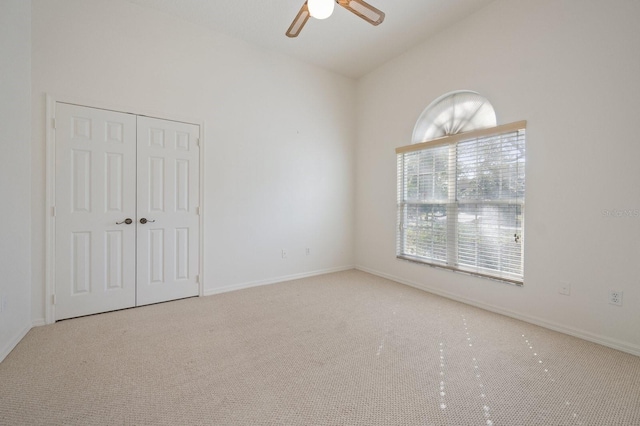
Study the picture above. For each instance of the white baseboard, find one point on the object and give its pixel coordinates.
(38, 322)
(226, 289)
(6, 350)
(582, 334)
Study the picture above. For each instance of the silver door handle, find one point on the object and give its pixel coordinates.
(128, 221)
(145, 220)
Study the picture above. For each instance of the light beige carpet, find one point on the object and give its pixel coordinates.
(341, 349)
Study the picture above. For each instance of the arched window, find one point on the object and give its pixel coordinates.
(461, 190)
(453, 113)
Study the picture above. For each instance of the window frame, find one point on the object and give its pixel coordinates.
(453, 205)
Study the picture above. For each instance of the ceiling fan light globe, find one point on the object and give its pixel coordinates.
(321, 9)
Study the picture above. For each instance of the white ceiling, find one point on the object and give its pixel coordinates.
(342, 43)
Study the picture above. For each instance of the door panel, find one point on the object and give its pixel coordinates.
(168, 196)
(95, 171)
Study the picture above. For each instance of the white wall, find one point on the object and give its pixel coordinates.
(15, 172)
(571, 68)
(278, 142)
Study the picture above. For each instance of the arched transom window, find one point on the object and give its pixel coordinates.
(456, 112)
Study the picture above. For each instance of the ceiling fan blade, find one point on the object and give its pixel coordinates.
(301, 18)
(364, 10)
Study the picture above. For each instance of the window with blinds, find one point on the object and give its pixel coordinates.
(461, 202)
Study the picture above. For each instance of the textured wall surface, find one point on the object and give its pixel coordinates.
(15, 172)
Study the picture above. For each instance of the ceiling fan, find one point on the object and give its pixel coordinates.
(322, 9)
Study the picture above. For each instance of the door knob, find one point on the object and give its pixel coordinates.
(145, 220)
(128, 221)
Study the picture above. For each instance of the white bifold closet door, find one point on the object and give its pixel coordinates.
(168, 187)
(126, 200)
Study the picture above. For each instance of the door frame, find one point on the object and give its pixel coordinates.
(50, 166)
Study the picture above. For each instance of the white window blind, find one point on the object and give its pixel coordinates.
(461, 202)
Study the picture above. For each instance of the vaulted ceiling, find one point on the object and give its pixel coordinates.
(343, 43)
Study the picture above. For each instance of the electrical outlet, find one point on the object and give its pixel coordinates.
(284, 254)
(565, 289)
(615, 297)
